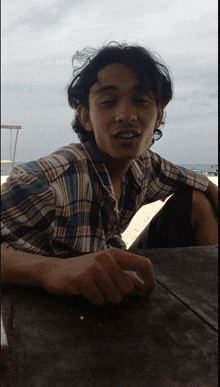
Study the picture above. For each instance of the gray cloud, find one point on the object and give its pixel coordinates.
(214, 94)
(42, 40)
(43, 18)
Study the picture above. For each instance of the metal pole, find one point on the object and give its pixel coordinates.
(10, 142)
(15, 146)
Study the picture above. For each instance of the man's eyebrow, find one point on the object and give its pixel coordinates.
(103, 89)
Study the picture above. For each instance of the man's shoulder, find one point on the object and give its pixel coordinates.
(50, 167)
(69, 154)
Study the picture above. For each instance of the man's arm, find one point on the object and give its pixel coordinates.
(98, 276)
(22, 268)
(205, 215)
(212, 195)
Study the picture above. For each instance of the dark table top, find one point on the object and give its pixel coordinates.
(166, 340)
(189, 273)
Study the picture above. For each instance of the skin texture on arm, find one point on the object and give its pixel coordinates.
(205, 215)
(20, 268)
(99, 276)
(212, 195)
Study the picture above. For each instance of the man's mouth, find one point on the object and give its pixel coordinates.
(127, 135)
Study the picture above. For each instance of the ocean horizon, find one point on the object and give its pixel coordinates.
(6, 168)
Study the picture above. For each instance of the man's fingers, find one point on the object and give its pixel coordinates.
(137, 282)
(135, 262)
(109, 290)
(117, 275)
(92, 292)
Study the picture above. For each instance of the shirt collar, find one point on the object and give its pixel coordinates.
(140, 168)
(95, 156)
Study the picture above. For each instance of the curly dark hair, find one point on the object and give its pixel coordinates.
(148, 69)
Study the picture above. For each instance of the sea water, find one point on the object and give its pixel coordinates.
(6, 168)
(204, 167)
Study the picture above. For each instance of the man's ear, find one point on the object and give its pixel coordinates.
(84, 118)
(159, 116)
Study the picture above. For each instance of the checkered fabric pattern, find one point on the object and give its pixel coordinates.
(63, 205)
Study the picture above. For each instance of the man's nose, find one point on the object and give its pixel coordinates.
(126, 112)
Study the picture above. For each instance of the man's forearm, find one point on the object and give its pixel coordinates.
(22, 268)
(212, 195)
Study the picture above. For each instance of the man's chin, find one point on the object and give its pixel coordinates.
(128, 156)
(124, 156)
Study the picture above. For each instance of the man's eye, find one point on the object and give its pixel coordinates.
(108, 102)
(141, 100)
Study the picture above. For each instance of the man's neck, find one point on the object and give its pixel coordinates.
(116, 168)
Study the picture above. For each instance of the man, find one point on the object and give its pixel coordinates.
(75, 203)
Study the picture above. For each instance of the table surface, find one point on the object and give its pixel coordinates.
(166, 340)
(189, 273)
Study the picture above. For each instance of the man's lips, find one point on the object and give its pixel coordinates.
(127, 134)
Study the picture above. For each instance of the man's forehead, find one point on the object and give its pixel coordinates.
(98, 89)
(115, 76)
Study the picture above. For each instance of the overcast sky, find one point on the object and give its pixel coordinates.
(40, 37)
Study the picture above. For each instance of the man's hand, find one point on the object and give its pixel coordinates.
(99, 276)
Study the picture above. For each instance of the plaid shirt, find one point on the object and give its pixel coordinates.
(63, 205)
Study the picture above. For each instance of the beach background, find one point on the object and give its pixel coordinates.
(145, 213)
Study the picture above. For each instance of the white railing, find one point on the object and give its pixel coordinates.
(15, 146)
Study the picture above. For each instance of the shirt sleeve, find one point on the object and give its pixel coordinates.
(27, 212)
(167, 178)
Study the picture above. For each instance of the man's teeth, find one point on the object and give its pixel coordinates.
(127, 135)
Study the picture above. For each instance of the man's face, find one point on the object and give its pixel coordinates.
(121, 114)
